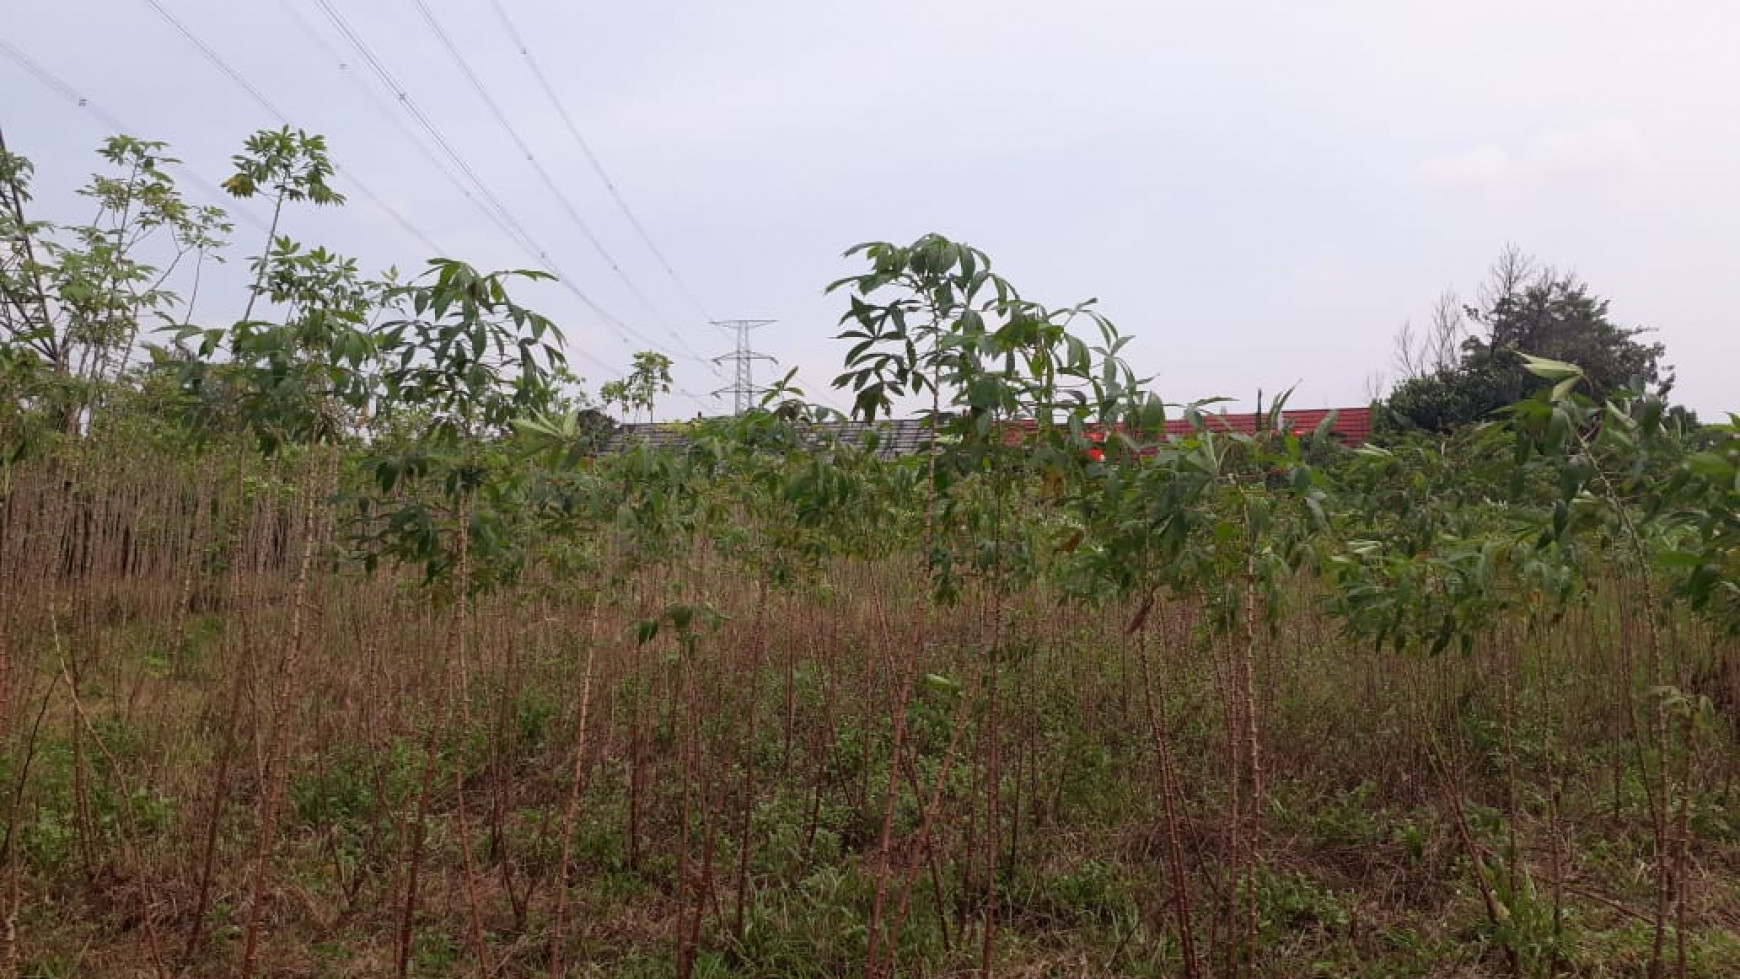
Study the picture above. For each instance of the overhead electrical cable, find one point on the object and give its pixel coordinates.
(495, 209)
(393, 119)
(592, 159)
(603, 176)
(116, 127)
(609, 371)
(386, 112)
(490, 203)
(223, 66)
(573, 213)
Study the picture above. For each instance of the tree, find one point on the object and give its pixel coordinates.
(285, 166)
(1420, 353)
(639, 391)
(1524, 308)
(73, 297)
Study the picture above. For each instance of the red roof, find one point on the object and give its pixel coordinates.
(1352, 426)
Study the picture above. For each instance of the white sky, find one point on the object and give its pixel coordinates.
(1260, 193)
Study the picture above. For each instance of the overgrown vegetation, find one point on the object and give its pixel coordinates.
(333, 644)
(1469, 363)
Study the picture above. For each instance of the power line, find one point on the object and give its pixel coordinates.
(212, 56)
(492, 205)
(308, 30)
(603, 176)
(499, 216)
(489, 203)
(525, 149)
(592, 158)
(117, 127)
(495, 210)
(428, 155)
(390, 116)
(220, 64)
(66, 91)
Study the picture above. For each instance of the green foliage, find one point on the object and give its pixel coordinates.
(287, 165)
(718, 580)
(1447, 399)
(469, 358)
(1533, 311)
(1706, 558)
(73, 297)
(1013, 391)
(306, 378)
(460, 369)
(647, 379)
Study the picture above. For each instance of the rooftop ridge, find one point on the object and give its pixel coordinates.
(908, 436)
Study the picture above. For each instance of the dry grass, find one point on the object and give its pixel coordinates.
(175, 596)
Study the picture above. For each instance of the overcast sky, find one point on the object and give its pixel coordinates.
(1260, 193)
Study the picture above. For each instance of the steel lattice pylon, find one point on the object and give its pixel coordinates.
(742, 388)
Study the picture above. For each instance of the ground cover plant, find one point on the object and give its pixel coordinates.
(340, 641)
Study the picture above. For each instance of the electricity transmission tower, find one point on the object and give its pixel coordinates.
(742, 388)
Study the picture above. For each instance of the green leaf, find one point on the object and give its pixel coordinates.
(1680, 559)
(941, 684)
(1551, 370)
(1713, 466)
(1558, 428)
(682, 616)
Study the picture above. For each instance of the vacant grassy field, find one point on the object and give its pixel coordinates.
(228, 749)
(349, 638)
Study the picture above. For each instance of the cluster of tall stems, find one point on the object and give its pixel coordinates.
(353, 426)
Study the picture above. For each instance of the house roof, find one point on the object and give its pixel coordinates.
(1352, 426)
(908, 436)
(895, 436)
